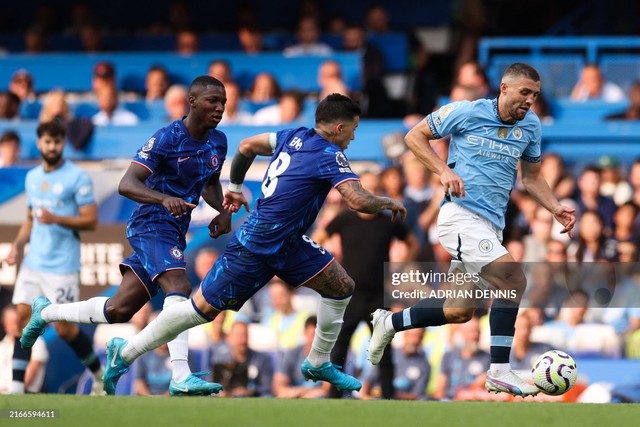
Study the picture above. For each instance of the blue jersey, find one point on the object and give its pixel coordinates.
(303, 169)
(52, 247)
(180, 167)
(484, 152)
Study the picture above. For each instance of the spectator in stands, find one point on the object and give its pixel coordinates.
(37, 367)
(288, 323)
(594, 86)
(336, 25)
(92, 38)
(633, 110)
(634, 180)
(308, 40)
(392, 182)
(555, 173)
(233, 115)
(35, 40)
(221, 70)
(592, 244)
(525, 352)
(412, 370)
(544, 291)
(110, 113)
(250, 37)
(153, 374)
(330, 79)
(464, 366)
(472, 75)
(613, 184)
(187, 42)
(265, 89)
(80, 15)
(535, 244)
(377, 99)
(104, 75)
(22, 85)
(176, 102)
(288, 110)
(377, 19)
(55, 107)
(9, 148)
(287, 380)
(156, 83)
(542, 110)
(624, 223)
(241, 371)
(9, 106)
(179, 15)
(589, 197)
(203, 261)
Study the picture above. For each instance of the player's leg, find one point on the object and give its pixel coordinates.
(352, 319)
(507, 276)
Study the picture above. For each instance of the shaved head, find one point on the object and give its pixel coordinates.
(202, 82)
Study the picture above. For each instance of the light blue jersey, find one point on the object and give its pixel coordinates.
(52, 247)
(484, 152)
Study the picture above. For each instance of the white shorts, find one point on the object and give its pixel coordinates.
(58, 288)
(471, 240)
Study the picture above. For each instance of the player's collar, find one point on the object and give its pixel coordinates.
(496, 111)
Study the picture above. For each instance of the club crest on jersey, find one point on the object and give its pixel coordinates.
(57, 188)
(176, 253)
(44, 186)
(485, 246)
(149, 145)
(503, 132)
(214, 161)
(517, 133)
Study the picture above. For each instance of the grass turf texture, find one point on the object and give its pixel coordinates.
(123, 411)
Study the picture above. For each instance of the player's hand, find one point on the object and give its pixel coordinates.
(45, 217)
(220, 225)
(565, 216)
(13, 256)
(234, 201)
(176, 206)
(398, 208)
(452, 183)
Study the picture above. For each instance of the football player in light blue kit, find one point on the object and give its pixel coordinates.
(488, 139)
(181, 162)
(60, 203)
(305, 165)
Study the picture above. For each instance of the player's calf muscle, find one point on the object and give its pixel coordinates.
(334, 282)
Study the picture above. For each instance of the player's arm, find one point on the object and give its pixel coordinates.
(257, 145)
(361, 200)
(536, 185)
(132, 186)
(417, 140)
(86, 220)
(17, 246)
(212, 194)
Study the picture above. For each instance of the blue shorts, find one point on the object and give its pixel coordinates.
(153, 254)
(239, 273)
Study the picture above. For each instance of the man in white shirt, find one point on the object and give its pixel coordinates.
(110, 113)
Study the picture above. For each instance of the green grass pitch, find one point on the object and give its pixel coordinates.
(124, 411)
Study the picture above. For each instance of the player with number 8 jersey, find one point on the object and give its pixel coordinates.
(305, 165)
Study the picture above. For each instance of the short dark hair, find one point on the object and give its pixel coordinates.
(53, 128)
(10, 136)
(204, 81)
(521, 69)
(336, 107)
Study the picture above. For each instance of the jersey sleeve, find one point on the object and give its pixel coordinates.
(84, 190)
(154, 151)
(448, 119)
(533, 152)
(334, 167)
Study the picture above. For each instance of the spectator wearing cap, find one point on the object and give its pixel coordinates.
(9, 148)
(110, 113)
(104, 74)
(613, 184)
(22, 85)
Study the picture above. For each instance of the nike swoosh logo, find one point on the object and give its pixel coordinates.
(311, 374)
(184, 390)
(90, 319)
(113, 359)
(182, 159)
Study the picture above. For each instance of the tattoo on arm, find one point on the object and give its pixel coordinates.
(361, 200)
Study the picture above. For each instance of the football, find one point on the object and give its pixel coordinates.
(554, 372)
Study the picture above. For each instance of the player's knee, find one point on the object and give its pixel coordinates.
(459, 314)
(117, 314)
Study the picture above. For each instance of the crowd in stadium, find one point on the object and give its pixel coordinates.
(258, 351)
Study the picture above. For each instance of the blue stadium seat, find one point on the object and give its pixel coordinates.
(623, 70)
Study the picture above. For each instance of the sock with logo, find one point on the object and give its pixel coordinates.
(87, 312)
(426, 312)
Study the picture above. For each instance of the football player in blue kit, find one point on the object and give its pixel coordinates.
(488, 139)
(167, 176)
(305, 165)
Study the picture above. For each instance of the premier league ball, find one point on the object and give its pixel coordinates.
(554, 372)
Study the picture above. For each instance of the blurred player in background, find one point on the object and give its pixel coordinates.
(166, 177)
(60, 203)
